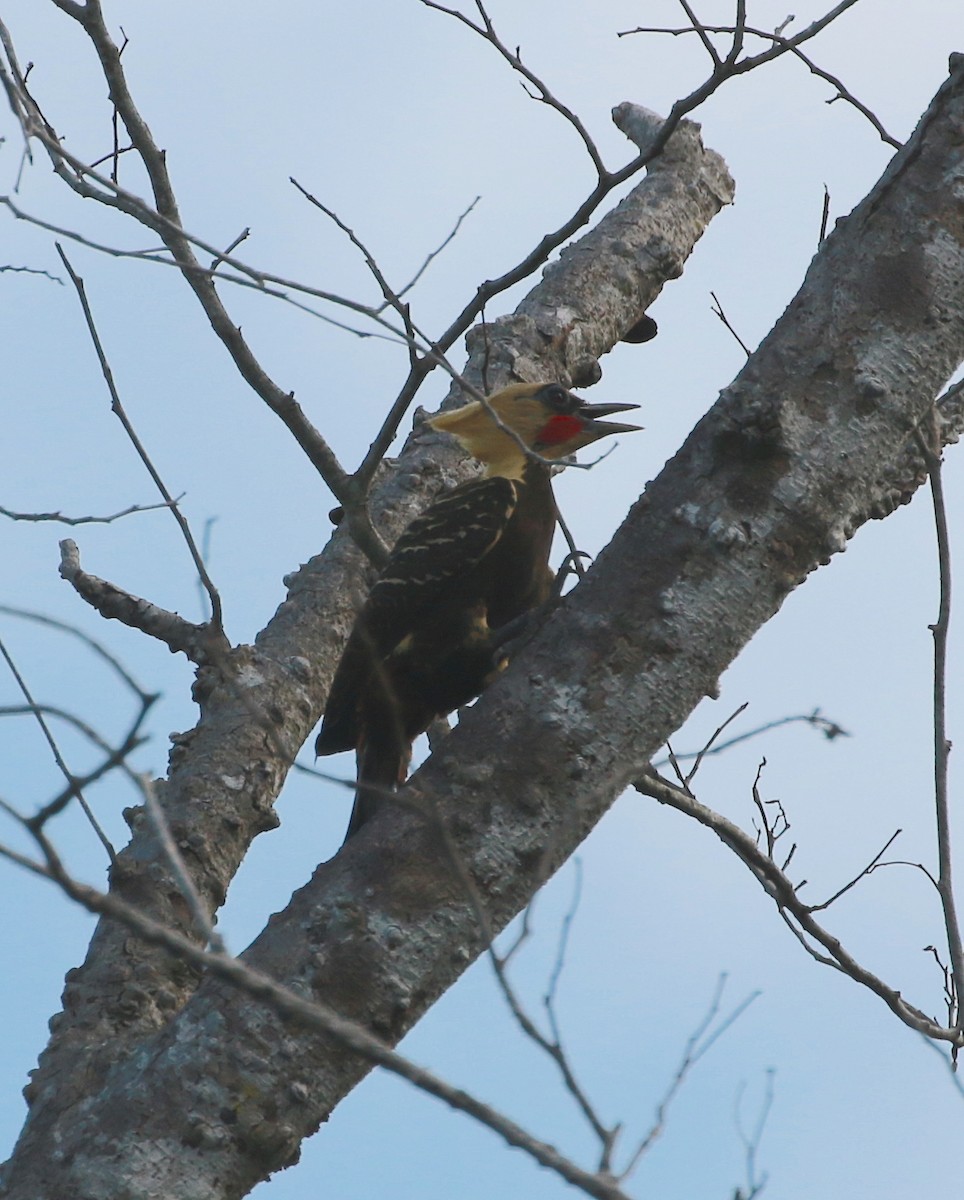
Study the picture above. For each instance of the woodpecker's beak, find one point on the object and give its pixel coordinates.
(604, 428)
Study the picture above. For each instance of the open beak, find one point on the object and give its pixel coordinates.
(595, 411)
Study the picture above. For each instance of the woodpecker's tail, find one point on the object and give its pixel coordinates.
(382, 767)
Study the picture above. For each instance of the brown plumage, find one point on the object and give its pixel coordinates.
(429, 637)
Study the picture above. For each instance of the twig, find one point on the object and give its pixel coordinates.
(830, 729)
(198, 909)
(868, 870)
(217, 619)
(486, 30)
(59, 516)
(525, 932)
(146, 698)
(677, 769)
(115, 124)
(701, 754)
(903, 862)
(31, 271)
(114, 155)
(549, 1000)
(771, 835)
(116, 756)
(930, 446)
(825, 214)
(700, 29)
(751, 1142)
(739, 32)
(607, 1134)
(718, 311)
(693, 1051)
(950, 992)
(434, 253)
(231, 246)
(74, 789)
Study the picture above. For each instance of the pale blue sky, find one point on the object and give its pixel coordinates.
(397, 118)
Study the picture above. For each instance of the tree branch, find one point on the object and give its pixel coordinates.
(931, 446)
(196, 641)
(797, 914)
(217, 618)
(776, 40)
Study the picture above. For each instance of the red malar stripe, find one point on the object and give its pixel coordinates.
(560, 429)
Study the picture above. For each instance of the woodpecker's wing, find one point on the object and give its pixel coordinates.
(436, 550)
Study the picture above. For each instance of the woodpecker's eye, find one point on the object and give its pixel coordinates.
(558, 399)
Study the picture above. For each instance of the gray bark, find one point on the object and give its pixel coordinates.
(204, 1098)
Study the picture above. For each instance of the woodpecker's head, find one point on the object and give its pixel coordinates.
(547, 419)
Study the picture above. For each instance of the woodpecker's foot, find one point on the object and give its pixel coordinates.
(570, 566)
(511, 637)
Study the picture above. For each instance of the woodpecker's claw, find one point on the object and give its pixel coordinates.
(570, 566)
(510, 638)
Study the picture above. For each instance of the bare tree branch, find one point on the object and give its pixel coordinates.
(196, 641)
(697, 1045)
(433, 254)
(486, 30)
(217, 617)
(247, 276)
(777, 40)
(31, 271)
(74, 789)
(59, 516)
(931, 446)
(798, 915)
(98, 648)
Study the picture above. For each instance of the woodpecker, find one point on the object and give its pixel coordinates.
(431, 634)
